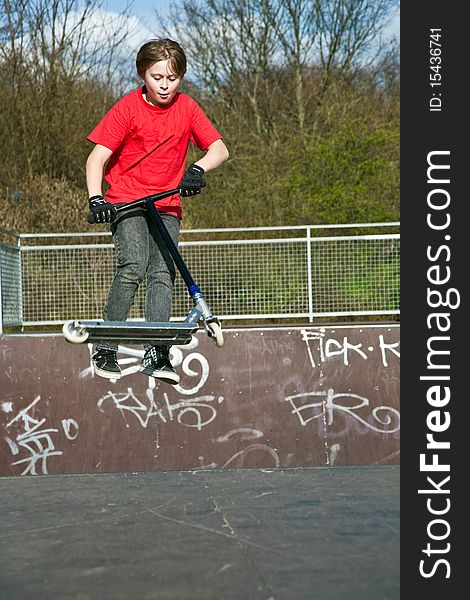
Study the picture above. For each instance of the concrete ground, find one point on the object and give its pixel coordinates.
(228, 534)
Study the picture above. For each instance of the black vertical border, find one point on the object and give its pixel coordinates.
(424, 131)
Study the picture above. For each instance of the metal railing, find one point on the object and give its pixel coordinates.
(301, 272)
(10, 280)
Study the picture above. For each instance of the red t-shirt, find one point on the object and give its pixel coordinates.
(150, 146)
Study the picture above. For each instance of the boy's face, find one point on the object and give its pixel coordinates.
(161, 82)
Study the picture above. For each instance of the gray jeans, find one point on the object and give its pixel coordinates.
(140, 252)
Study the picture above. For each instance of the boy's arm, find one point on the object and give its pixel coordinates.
(94, 169)
(193, 179)
(100, 209)
(215, 155)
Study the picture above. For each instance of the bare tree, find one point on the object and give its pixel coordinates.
(230, 44)
(53, 56)
(295, 25)
(350, 34)
(243, 49)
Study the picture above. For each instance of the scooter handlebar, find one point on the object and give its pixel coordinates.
(141, 202)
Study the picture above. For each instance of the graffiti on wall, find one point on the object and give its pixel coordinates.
(32, 441)
(321, 347)
(320, 406)
(197, 411)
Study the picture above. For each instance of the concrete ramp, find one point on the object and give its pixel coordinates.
(218, 534)
(271, 397)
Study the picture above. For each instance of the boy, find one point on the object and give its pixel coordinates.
(143, 142)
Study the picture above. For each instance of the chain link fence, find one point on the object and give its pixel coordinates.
(254, 273)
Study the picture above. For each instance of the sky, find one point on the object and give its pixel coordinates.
(143, 21)
(145, 11)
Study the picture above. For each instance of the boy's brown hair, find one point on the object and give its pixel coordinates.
(161, 49)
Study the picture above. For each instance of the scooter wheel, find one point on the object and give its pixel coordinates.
(73, 333)
(218, 335)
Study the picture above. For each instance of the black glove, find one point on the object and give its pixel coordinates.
(192, 181)
(102, 211)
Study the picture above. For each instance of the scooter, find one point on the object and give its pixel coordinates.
(179, 333)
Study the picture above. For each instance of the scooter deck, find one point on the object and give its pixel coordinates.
(130, 331)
